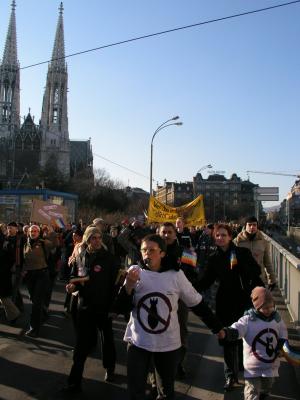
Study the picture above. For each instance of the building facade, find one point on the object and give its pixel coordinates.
(26, 147)
(224, 199)
(290, 207)
(81, 157)
(16, 205)
(175, 194)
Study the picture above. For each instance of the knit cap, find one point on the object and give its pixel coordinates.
(261, 296)
(90, 231)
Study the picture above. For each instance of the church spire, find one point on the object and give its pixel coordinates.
(10, 81)
(58, 54)
(54, 119)
(10, 49)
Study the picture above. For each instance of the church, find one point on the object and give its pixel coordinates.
(26, 147)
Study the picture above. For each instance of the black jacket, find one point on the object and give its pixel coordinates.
(98, 292)
(9, 246)
(235, 283)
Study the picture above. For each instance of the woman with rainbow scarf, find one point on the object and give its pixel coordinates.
(237, 273)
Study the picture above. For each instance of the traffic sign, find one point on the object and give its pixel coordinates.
(267, 197)
(267, 190)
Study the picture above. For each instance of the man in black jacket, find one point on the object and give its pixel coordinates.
(93, 275)
(11, 265)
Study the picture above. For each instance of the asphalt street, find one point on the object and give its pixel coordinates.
(38, 368)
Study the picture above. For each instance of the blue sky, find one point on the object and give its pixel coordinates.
(235, 84)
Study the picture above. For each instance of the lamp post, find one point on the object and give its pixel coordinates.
(196, 185)
(204, 167)
(162, 126)
(288, 214)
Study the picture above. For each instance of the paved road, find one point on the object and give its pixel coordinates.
(37, 368)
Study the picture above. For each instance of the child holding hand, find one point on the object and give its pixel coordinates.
(263, 333)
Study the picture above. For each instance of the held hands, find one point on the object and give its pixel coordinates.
(221, 334)
(227, 334)
(70, 287)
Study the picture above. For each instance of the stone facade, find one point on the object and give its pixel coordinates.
(224, 199)
(290, 207)
(27, 147)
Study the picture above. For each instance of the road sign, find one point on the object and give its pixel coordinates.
(267, 197)
(216, 172)
(267, 190)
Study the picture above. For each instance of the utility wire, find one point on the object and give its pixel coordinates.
(121, 166)
(165, 32)
(108, 160)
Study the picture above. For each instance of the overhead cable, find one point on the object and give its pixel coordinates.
(165, 32)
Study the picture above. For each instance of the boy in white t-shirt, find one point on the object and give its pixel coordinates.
(152, 291)
(263, 333)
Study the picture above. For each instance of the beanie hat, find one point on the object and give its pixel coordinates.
(261, 296)
(90, 231)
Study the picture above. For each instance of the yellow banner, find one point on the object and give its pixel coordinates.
(192, 213)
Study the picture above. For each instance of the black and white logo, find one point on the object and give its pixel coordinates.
(154, 312)
(264, 345)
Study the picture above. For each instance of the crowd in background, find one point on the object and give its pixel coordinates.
(219, 264)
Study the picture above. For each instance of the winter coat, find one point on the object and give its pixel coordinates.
(237, 273)
(204, 248)
(36, 253)
(260, 249)
(8, 261)
(97, 293)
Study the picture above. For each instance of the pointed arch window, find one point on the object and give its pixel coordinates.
(27, 143)
(36, 143)
(55, 105)
(18, 143)
(56, 96)
(4, 113)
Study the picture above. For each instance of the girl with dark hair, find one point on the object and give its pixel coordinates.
(152, 291)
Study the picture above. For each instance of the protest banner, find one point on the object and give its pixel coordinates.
(192, 213)
(46, 213)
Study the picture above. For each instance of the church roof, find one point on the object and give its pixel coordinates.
(28, 125)
(10, 49)
(58, 54)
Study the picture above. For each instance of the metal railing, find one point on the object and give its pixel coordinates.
(287, 270)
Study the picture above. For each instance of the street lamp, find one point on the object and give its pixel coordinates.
(204, 167)
(162, 126)
(196, 187)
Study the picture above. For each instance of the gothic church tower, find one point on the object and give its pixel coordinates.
(10, 82)
(54, 120)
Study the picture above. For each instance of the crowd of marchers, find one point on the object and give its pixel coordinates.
(154, 275)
